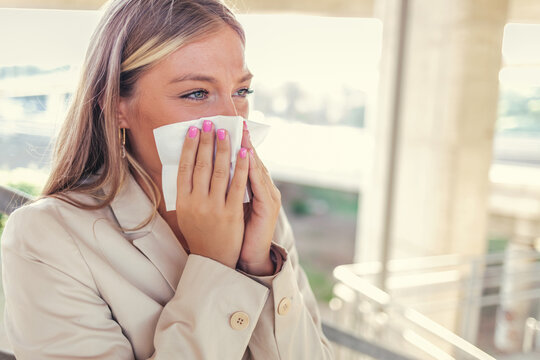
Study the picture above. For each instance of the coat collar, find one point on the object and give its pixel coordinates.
(155, 240)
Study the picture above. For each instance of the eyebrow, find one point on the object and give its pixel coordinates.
(205, 78)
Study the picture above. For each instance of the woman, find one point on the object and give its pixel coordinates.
(96, 268)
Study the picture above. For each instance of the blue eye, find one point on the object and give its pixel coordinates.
(201, 94)
(196, 95)
(244, 92)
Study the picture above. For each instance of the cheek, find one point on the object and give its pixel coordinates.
(148, 113)
(153, 112)
(242, 107)
(144, 119)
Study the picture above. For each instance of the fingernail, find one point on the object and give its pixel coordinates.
(251, 151)
(192, 132)
(245, 125)
(207, 126)
(221, 134)
(243, 153)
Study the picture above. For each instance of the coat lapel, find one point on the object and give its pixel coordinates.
(155, 240)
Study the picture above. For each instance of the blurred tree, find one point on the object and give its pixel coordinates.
(294, 103)
(519, 111)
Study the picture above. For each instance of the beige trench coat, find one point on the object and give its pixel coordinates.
(77, 287)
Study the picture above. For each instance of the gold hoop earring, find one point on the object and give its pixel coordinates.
(122, 138)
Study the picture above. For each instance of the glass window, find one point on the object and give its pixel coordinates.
(516, 147)
(315, 81)
(517, 138)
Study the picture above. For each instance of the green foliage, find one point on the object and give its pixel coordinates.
(329, 200)
(338, 201)
(300, 207)
(26, 187)
(497, 244)
(321, 283)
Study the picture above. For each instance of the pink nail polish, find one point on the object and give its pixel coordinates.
(251, 151)
(207, 126)
(221, 134)
(192, 132)
(243, 153)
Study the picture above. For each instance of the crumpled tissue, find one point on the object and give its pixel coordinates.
(170, 140)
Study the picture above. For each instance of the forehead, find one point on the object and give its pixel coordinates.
(219, 53)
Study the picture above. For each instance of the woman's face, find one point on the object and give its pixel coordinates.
(204, 78)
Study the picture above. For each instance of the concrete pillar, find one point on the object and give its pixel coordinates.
(447, 110)
(433, 135)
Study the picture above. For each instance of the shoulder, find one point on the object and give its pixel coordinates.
(33, 216)
(44, 223)
(42, 234)
(38, 250)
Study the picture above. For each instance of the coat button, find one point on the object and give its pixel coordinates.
(284, 306)
(239, 320)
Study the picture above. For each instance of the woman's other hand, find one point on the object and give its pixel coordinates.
(260, 217)
(210, 219)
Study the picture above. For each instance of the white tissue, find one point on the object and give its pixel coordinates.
(170, 140)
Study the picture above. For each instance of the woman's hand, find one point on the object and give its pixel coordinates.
(261, 216)
(211, 221)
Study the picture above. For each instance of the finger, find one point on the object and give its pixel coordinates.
(270, 185)
(265, 173)
(264, 170)
(256, 162)
(246, 140)
(222, 167)
(204, 162)
(259, 184)
(187, 160)
(239, 180)
(247, 210)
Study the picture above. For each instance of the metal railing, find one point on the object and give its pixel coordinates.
(446, 307)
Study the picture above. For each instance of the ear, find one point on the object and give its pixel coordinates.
(122, 113)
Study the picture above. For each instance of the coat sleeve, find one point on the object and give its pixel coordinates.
(54, 309)
(290, 324)
(212, 315)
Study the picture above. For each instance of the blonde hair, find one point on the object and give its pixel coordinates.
(132, 36)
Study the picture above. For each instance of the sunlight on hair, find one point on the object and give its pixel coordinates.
(149, 52)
